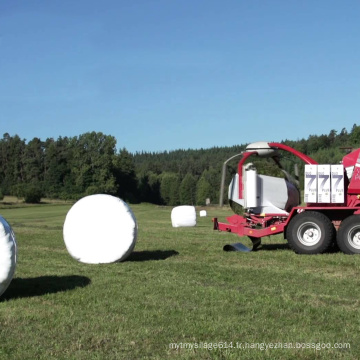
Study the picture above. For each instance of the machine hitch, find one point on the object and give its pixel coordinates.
(238, 246)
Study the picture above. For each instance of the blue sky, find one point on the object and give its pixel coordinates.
(177, 74)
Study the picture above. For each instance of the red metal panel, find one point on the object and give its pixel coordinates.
(354, 186)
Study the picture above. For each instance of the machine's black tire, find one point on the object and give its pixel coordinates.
(310, 232)
(348, 236)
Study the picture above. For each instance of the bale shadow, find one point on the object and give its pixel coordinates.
(151, 255)
(30, 287)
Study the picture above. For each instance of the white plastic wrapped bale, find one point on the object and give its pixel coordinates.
(7, 254)
(100, 229)
(184, 215)
(203, 213)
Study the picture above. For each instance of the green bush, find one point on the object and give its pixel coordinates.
(18, 190)
(33, 194)
(92, 190)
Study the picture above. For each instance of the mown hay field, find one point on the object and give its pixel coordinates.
(178, 295)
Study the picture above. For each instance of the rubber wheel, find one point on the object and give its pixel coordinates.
(348, 236)
(310, 232)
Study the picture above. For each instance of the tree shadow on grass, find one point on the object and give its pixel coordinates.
(151, 255)
(29, 287)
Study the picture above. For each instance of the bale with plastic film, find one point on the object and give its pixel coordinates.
(203, 213)
(7, 254)
(100, 229)
(184, 215)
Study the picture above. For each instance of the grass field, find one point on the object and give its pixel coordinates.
(176, 295)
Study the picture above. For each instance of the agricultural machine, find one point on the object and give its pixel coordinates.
(271, 205)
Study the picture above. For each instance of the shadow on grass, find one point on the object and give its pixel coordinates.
(151, 255)
(248, 248)
(29, 287)
(270, 247)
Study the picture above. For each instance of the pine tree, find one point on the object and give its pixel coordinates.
(188, 190)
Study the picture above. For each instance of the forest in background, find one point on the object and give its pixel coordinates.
(69, 168)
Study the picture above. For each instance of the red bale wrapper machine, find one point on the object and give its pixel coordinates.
(272, 204)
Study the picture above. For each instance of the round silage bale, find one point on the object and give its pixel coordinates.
(7, 254)
(100, 229)
(184, 215)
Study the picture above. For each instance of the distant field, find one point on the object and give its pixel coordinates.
(177, 294)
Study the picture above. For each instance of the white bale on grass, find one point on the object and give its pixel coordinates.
(7, 254)
(100, 229)
(203, 213)
(184, 215)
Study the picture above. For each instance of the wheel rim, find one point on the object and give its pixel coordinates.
(309, 234)
(354, 237)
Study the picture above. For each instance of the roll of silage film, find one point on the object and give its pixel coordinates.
(184, 215)
(251, 188)
(100, 229)
(7, 254)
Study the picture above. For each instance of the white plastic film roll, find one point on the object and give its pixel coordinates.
(100, 229)
(251, 189)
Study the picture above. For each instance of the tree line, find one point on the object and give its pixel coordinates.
(69, 168)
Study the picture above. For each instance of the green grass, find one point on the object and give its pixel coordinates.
(178, 286)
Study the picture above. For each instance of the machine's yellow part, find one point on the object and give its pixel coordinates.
(273, 228)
